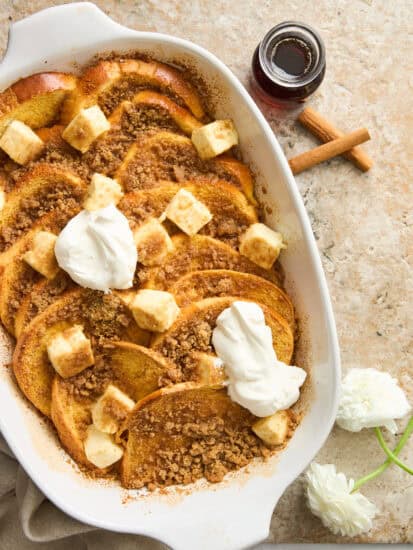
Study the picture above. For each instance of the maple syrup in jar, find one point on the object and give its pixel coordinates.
(288, 65)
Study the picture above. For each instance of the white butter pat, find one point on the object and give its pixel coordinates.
(85, 127)
(100, 449)
(41, 256)
(256, 379)
(102, 192)
(2, 199)
(111, 409)
(70, 352)
(154, 310)
(187, 212)
(97, 249)
(273, 430)
(153, 243)
(209, 369)
(20, 142)
(261, 245)
(214, 138)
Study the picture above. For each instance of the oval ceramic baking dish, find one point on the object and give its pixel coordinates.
(235, 513)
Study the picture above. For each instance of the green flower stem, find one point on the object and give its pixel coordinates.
(386, 464)
(391, 455)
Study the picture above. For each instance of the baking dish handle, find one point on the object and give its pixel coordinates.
(56, 34)
(228, 522)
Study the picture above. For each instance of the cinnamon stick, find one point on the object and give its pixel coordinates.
(328, 150)
(325, 131)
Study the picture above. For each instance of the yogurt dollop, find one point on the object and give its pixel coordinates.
(256, 379)
(97, 249)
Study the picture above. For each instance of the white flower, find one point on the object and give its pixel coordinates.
(330, 498)
(370, 398)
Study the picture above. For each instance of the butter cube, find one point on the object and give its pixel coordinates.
(273, 430)
(70, 352)
(41, 256)
(261, 245)
(111, 409)
(154, 310)
(2, 199)
(153, 243)
(100, 449)
(187, 212)
(214, 138)
(20, 142)
(209, 369)
(102, 192)
(85, 127)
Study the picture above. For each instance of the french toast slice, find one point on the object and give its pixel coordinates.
(108, 83)
(17, 277)
(38, 297)
(36, 100)
(147, 112)
(198, 285)
(199, 253)
(135, 370)
(43, 188)
(166, 156)
(102, 316)
(192, 331)
(55, 151)
(180, 434)
(231, 213)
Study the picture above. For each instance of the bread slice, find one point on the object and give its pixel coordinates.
(36, 100)
(38, 297)
(166, 156)
(17, 277)
(146, 112)
(192, 331)
(180, 434)
(135, 370)
(199, 253)
(231, 213)
(102, 316)
(198, 285)
(43, 188)
(109, 82)
(163, 106)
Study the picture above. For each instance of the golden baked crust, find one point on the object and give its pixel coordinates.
(38, 297)
(44, 188)
(102, 316)
(198, 285)
(182, 427)
(192, 331)
(198, 253)
(135, 370)
(17, 277)
(165, 156)
(231, 213)
(180, 434)
(36, 100)
(110, 82)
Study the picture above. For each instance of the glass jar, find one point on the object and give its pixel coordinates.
(288, 65)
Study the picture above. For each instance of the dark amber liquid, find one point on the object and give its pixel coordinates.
(291, 55)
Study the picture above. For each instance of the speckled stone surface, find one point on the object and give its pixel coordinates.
(362, 222)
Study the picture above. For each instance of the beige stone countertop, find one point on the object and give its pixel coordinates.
(362, 222)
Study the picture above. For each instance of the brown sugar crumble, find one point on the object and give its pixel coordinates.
(169, 438)
(190, 439)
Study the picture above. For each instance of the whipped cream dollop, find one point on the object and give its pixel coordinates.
(256, 379)
(97, 249)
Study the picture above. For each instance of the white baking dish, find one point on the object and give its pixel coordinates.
(237, 512)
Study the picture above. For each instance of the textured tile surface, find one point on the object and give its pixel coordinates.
(362, 222)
